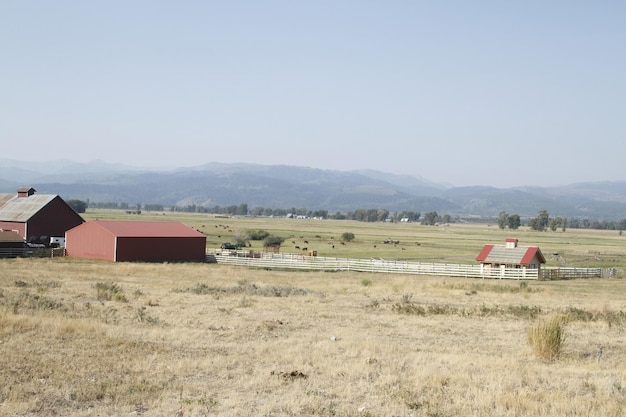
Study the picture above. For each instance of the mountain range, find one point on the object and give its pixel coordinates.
(282, 186)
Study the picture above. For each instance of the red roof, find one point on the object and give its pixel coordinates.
(147, 229)
(484, 253)
(530, 254)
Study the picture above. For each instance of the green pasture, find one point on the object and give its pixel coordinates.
(447, 243)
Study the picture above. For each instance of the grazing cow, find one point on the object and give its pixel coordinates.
(306, 241)
(305, 249)
(297, 247)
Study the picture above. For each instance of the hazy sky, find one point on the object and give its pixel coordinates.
(500, 93)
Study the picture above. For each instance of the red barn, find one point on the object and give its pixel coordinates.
(36, 218)
(124, 241)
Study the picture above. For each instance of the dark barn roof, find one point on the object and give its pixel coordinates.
(20, 209)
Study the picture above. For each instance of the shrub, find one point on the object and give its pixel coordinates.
(35, 302)
(546, 337)
(273, 241)
(257, 234)
(108, 292)
(348, 236)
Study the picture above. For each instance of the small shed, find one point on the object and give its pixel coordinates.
(128, 241)
(36, 218)
(11, 244)
(510, 255)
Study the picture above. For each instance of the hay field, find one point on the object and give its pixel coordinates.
(448, 243)
(83, 338)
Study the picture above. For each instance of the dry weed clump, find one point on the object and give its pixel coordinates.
(407, 306)
(106, 291)
(246, 289)
(546, 336)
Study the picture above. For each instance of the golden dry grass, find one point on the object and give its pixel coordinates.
(213, 340)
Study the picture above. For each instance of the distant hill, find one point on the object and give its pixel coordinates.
(282, 186)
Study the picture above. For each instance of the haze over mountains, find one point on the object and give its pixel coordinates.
(281, 186)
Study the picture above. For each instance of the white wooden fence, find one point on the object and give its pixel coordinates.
(295, 261)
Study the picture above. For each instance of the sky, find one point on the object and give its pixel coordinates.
(499, 93)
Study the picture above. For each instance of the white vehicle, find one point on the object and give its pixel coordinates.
(57, 242)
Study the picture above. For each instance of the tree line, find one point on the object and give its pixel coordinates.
(543, 220)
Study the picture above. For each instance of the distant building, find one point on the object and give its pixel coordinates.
(36, 218)
(510, 255)
(128, 241)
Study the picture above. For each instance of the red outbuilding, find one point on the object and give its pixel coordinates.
(124, 241)
(36, 218)
(510, 255)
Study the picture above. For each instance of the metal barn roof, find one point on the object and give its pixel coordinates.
(21, 209)
(147, 229)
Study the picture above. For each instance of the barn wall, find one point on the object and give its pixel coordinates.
(19, 227)
(53, 220)
(161, 249)
(535, 263)
(90, 241)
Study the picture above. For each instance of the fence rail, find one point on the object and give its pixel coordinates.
(295, 261)
(31, 252)
(573, 273)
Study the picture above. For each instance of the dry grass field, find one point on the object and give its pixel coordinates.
(84, 338)
(87, 338)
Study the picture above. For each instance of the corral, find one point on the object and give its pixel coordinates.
(378, 265)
